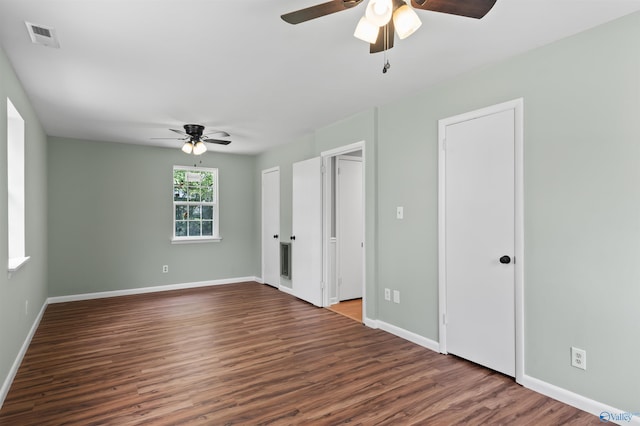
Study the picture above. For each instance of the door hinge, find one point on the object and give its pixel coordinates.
(338, 170)
(444, 144)
(323, 169)
(444, 319)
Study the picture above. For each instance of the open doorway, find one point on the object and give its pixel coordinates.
(344, 230)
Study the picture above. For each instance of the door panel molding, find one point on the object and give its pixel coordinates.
(517, 106)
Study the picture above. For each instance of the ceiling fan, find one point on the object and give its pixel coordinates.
(194, 138)
(384, 17)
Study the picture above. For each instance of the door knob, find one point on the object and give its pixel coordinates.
(275, 236)
(293, 237)
(505, 260)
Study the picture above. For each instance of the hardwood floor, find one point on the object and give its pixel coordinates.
(247, 354)
(349, 308)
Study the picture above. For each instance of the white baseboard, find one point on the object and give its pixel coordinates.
(408, 335)
(286, 289)
(371, 323)
(605, 413)
(142, 290)
(6, 385)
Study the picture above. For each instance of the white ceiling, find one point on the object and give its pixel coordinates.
(127, 70)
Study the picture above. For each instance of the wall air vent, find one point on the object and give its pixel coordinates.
(42, 34)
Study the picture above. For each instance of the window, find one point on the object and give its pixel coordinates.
(195, 204)
(15, 188)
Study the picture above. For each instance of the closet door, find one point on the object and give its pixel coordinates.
(349, 227)
(271, 227)
(306, 236)
(480, 240)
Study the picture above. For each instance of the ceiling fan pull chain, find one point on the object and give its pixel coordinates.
(385, 64)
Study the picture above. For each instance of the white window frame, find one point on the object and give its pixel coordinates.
(215, 204)
(16, 209)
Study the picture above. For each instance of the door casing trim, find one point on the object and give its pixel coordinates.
(326, 160)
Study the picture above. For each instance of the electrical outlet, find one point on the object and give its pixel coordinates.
(165, 269)
(578, 358)
(387, 294)
(396, 296)
(399, 212)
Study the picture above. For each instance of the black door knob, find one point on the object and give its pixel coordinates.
(505, 260)
(275, 236)
(293, 237)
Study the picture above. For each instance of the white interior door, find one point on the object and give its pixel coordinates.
(349, 227)
(306, 226)
(479, 233)
(271, 227)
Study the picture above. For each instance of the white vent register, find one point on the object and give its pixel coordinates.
(42, 34)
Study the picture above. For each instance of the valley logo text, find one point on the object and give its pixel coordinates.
(608, 416)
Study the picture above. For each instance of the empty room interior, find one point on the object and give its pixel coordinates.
(241, 213)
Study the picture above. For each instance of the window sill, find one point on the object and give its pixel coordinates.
(195, 240)
(16, 263)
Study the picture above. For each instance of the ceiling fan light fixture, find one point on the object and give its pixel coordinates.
(379, 12)
(405, 21)
(199, 148)
(366, 31)
(187, 148)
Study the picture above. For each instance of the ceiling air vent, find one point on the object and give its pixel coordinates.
(41, 34)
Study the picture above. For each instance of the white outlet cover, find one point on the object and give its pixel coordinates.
(578, 358)
(387, 294)
(396, 296)
(400, 212)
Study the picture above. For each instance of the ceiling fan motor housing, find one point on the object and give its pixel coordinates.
(194, 130)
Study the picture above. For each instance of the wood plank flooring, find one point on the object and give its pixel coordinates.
(349, 308)
(247, 354)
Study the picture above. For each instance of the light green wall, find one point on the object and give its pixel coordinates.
(582, 202)
(30, 281)
(110, 218)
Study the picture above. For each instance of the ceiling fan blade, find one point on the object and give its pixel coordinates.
(218, 133)
(179, 131)
(379, 45)
(318, 11)
(469, 8)
(218, 141)
(172, 139)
